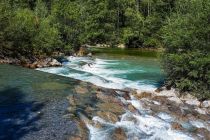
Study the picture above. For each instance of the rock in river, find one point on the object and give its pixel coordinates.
(111, 107)
(108, 116)
(119, 134)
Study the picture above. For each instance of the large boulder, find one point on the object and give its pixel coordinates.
(54, 63)
(83, 51)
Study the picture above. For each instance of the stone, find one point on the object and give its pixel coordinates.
(158, 90)
(83, 51)
(201, 111)
(33, 66)
(54, 63)
(75, 138)
(193, 102)
(111, 107)
(89, 54)
(71, 100)
(203, 132)
(81, 90)
(176, 126)
(82, 130)
(97, 125)
(119, 134)
(141, 95)
(108, 116)
(131, 108)
(167, 93)
(126, 96)
(122, 46)
(89, 110)
(123, 93)
(176, 100)
(106, 97)
(206, 104)
(103, 46)
(188, 97)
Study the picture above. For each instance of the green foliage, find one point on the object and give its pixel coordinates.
(40, 27)
(186, 37)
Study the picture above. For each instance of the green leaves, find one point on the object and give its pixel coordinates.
(186, 59)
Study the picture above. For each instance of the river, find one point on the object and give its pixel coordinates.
(93, 91)
(115, 68)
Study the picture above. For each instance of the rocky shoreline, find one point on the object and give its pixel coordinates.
(38, 63)
(184, 114)
(43, 62)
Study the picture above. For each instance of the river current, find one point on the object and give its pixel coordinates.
(113, 71)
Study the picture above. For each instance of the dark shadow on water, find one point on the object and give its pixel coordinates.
(18, 117)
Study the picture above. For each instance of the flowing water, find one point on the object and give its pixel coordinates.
(122, 69)
(115, 69)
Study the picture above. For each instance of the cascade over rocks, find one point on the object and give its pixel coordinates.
(95, 108)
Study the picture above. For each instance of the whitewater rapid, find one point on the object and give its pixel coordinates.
(104, 73)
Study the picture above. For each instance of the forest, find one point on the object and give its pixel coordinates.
(181, 28)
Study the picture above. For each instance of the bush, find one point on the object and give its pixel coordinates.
(186, 60)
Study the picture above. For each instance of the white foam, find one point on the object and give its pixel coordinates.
(99, 72)
(165, 117)
(141, 127)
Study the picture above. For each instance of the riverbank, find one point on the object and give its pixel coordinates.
(128, 115)
(36, 63)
